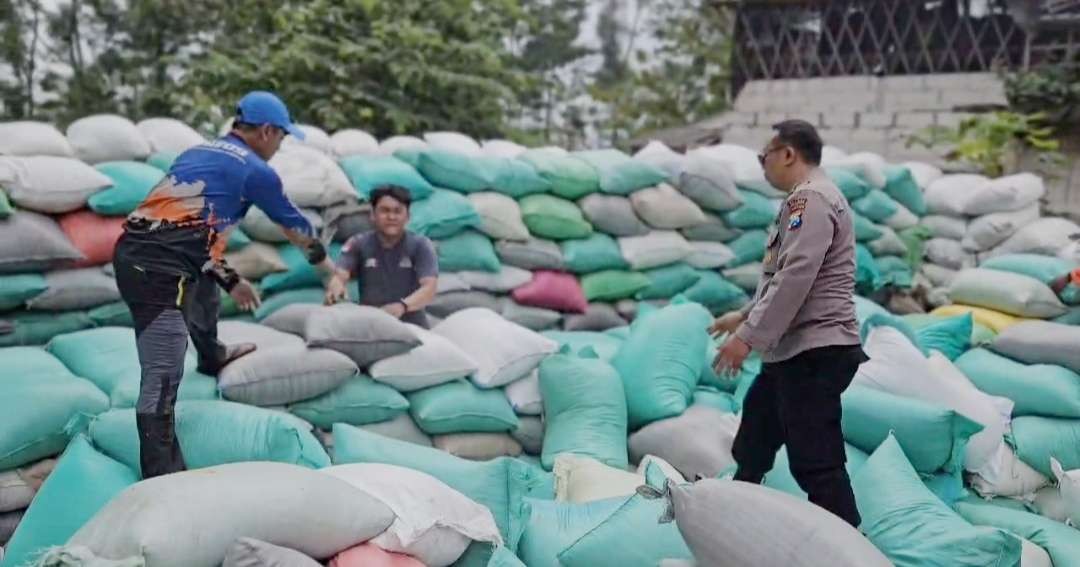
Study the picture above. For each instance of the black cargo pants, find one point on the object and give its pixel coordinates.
(167, 309)
(796, 403)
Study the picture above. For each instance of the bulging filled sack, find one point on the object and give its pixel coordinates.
(50, 184)
(1045, 236)
(658, 155)
(585, 408)
(369, 172)
(310, 178)
(500, 216)
(661, 362)
(990, 230)
(1014, 294)
(658, 248)
(214, 433)
(897, 366)
(800, 533)
(66, 501)
(95, 236)
(190, 519)
(927, 531)
(665, 208)
(434, 523)
(31, 242)
(619, 173)
(353, 142)
(697, 443)
(612, 214)
(41, 397)
(461, 407)
(437, 360)
(709, 181)
(282, 370)
(504, 352)
(1041, 342)
(499, 485)
(363, 333)
(29, 138)
(70, 290)
(169, 135)
(107, 137)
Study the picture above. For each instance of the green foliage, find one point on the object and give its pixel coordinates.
(544, 44)
(991, 142)
(1054, 90)
(21, 27)
(389, 67)
(684, 80)
(489, 68)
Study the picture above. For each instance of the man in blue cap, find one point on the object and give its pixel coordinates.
(170, 261)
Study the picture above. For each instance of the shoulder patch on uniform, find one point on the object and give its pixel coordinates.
(795, 221)
(796, 206)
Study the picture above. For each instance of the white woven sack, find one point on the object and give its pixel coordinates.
(169, 135)
(453, 142)
(399, 143)
(502, 148)
(28, 138)
(310, 178)
(503, 351)
(434, 523)
(107, 137)
(658, 248)
(49, 184)
(352, 142)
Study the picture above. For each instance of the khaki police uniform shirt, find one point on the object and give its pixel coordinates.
(805, 297)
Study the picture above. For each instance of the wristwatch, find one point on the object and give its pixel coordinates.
(403, 304)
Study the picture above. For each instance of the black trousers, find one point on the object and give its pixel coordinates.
(167, 309)
(796, 403)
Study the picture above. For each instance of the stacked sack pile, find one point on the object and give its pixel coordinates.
(520, 427)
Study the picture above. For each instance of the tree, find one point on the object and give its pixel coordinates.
(544, 48)
(389, 67)
(685, 79)
(21, 25)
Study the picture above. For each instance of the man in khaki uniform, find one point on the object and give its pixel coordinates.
(802, 322)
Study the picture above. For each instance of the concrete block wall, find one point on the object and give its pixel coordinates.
(879, 114)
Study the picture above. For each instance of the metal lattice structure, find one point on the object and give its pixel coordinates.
(822, 38)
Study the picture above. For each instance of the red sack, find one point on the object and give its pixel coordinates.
(94, 235)
(369, 555)
(552, 290)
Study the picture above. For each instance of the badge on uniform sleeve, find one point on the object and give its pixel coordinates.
(796, 206)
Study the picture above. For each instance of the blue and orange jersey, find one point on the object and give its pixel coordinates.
(206, 192)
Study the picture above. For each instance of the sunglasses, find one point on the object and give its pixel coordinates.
(761, 157)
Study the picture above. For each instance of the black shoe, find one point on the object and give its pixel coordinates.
(232, 352)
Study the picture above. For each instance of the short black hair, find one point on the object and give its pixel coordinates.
(396, 192)
(802, 136)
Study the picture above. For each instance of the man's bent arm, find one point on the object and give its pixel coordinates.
(424, 295)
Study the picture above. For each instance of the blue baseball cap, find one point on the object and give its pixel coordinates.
(262, 107)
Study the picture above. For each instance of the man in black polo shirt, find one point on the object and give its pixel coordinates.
(398, 269)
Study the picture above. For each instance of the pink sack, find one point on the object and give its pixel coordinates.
(552, 290)
(94, 235)
(370, 555)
